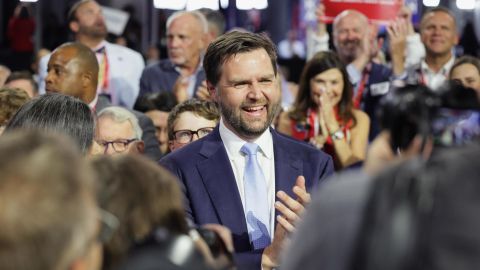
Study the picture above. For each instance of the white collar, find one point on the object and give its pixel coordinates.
(233, 143)
(93, 104)
(444, 70)
(100, 46)
(199, 67)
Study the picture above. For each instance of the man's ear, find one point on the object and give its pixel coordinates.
(74, 26)
(87, 78)
(212, 90)
(140, 145)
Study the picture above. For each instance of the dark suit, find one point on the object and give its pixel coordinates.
(210, 189)
(148, 136)
(379, 74)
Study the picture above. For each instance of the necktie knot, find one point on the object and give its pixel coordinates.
(249, 149)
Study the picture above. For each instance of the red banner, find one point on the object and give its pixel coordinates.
(378, 11)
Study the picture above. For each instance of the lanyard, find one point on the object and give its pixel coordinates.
(104, 72)
(357, 101)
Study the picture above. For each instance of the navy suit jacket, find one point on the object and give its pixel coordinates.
(371, 99)
(210, 189)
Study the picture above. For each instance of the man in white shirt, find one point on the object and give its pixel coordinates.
(439, 35)
(216, 173)
(120, 68)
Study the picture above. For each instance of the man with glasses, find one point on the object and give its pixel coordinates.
(118, 132)
(190, 121)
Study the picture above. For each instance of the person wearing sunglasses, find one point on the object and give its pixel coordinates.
(118, 132)
(190, 121)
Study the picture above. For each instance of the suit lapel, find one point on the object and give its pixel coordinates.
(287, 166)
(217, 176)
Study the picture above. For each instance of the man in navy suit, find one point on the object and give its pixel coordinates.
(242, 79)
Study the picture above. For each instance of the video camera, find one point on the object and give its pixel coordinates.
(449, 115)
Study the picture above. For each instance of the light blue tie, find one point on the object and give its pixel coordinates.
(256, 201)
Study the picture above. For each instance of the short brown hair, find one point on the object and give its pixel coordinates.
(466, 59)
(233, 43)
(202, 108)
(143, 196)
(438, 9)
(11, 99)
(47, 207)
(72, 12)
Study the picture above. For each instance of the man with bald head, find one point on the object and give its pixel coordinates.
(353, 37)
(182, 72)
(73, 70)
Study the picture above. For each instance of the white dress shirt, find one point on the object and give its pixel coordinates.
(265, 157)
(435, 79)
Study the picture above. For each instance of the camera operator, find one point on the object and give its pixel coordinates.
(415, 121)
(418, 214)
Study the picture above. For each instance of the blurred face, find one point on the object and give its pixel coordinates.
(64, 74)
(117, 138)
(468, 75)
(90, 21)
(438, 33)
(348, 35)
(329, 82)
(159, 120)
(248, 93)
(185, 41)
(23, 84)
(188, 121)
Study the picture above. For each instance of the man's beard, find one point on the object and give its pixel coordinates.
(94, 31)
(244, 128)
(349, 53)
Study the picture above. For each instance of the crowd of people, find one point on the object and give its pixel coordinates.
(208, 159)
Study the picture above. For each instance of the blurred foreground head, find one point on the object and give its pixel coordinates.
(143, 196)
(48, 213)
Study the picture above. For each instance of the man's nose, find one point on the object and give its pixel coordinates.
(254, 91)
(49, 78)
(174, 42)
(109, 150)
(195, 137)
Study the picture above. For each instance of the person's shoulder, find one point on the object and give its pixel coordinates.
(360, 116)
(161, 66)
(381, 69)
(125, 51)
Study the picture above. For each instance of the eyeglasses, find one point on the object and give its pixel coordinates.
(186, 135)
(118, 146)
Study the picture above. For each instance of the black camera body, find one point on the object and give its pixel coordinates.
(417, 110)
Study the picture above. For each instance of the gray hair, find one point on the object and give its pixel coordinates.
(196, 14)
(120, 115)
